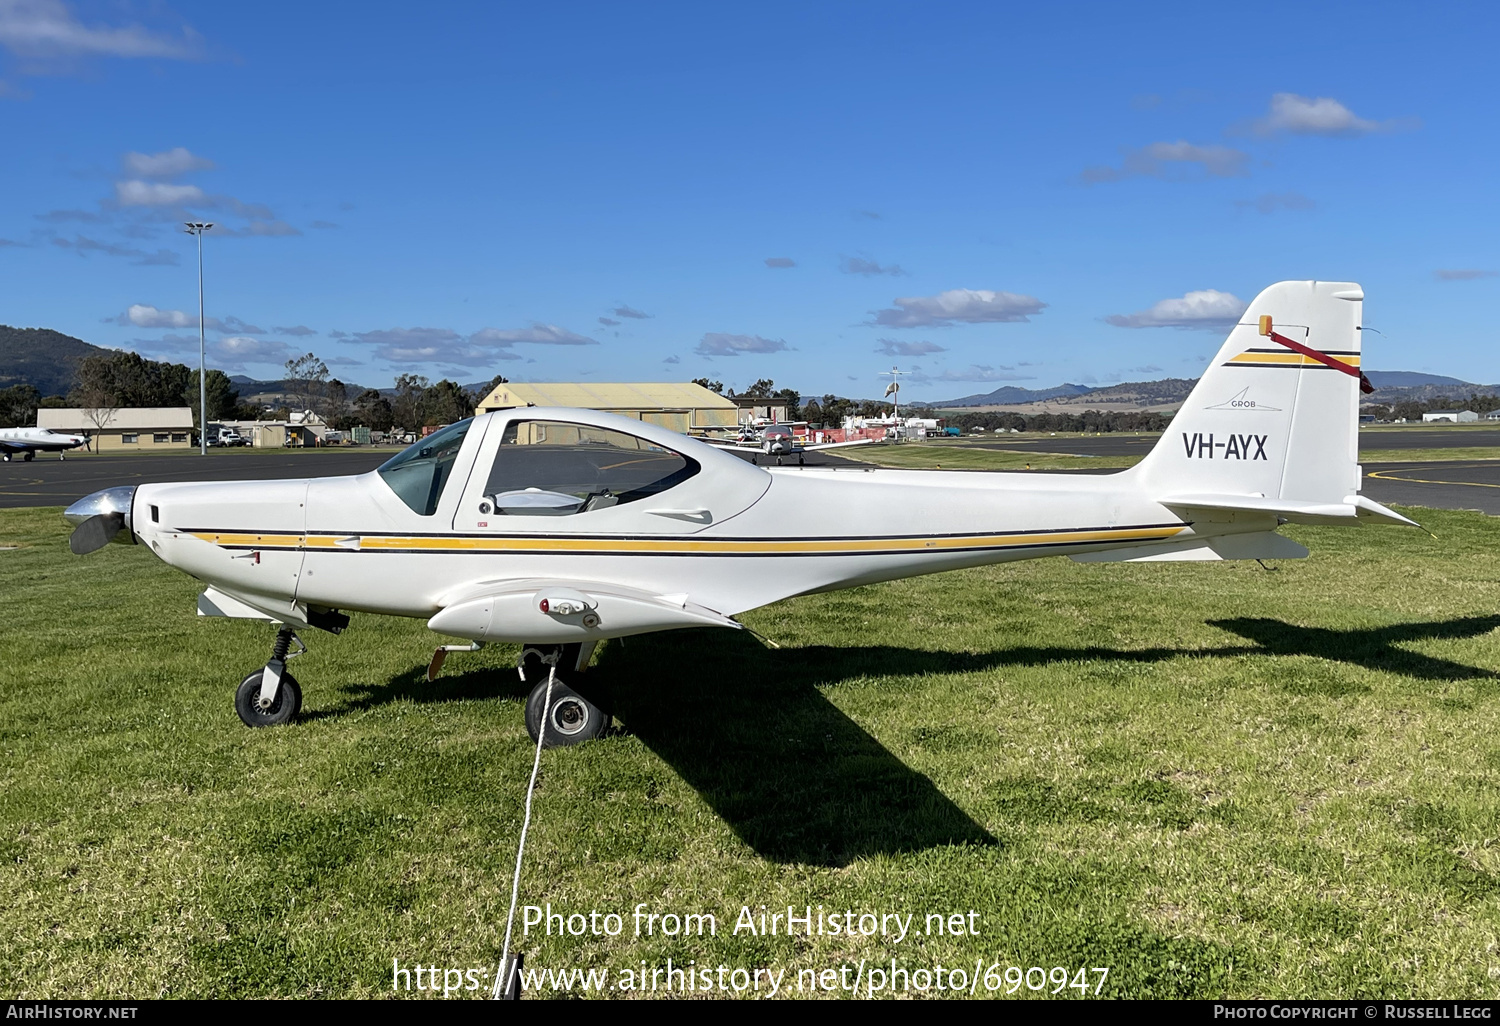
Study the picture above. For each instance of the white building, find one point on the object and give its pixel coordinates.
(146, 427)
(1451, 416)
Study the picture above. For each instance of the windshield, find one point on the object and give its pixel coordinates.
(417, 474)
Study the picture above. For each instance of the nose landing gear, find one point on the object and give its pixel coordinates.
(270, 696)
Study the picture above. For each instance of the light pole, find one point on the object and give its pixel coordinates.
(197, 228)
(894, 390)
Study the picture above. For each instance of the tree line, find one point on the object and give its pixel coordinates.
(124, 380)
(831, 410)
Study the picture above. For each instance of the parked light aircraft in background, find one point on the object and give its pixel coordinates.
(780, 441)
(27, 442)
(561, 528)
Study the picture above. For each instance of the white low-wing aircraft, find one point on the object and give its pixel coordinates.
(561, 528)
(27, 442)
(780, 441)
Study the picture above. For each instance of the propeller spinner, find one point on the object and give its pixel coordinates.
(101, 518)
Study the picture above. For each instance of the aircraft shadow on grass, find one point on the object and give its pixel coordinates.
(797, 780)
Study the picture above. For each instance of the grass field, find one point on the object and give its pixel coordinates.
(1214, 779)
(929, 456)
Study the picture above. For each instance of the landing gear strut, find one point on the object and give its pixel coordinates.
(270, 696)
(570, 717)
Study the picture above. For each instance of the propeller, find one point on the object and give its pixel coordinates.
(95, 533)
(99, 519)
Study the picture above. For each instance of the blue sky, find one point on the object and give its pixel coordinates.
(980, 194)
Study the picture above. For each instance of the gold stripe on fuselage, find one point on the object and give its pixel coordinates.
(680, 546)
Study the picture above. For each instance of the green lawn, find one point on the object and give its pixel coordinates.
(1214, 779)
(955, 456)
(1470, 452)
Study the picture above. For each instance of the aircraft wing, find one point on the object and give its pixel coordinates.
(746, 446)
(838, 445)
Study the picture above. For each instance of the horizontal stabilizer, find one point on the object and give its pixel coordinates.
(1353, 509)
(1260, 545)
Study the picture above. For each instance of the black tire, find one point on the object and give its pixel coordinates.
(28, 457)
(572, 719)
(284, 710)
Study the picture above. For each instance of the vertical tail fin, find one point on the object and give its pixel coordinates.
(1268, 419)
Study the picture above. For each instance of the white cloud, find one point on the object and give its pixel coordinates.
(244, 349)
(136, 193)
(1206, 308)
(1270, 202)
(891, 347)
(1324, 115)
(609, 322)
(975, 372)
(269, 227)
(143, 315)
(1165, 159)
(673, 359)
(780, 263)
(718, 344)
(296, 329)
(234, 324)
(457, 355)
(82, 245)
(537, 334)
(631, 312)
(230, 354)
(409, 337)
(1464, 275)
(46, 28)
(856, 265)
(167, 164)
(966, 306)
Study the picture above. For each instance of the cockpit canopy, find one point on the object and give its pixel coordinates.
(553, 468)
(541, 468)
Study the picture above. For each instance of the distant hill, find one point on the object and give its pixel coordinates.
(1010, 395)
(41, 357)
(1407, 379)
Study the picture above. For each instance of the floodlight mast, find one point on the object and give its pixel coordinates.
(894, 391)
(196, 229)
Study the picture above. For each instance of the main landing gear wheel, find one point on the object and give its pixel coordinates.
(283, 709)
(28, 457)
(571, 719)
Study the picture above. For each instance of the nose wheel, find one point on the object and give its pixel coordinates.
(281, 709)
(270, 696)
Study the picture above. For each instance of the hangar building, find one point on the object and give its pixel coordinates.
(678, 406)
(147, 427)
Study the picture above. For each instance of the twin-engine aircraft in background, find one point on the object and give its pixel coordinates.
(562, 528)
(27, 442)
(780, 441)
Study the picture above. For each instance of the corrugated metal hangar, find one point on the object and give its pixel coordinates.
(678, 406)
